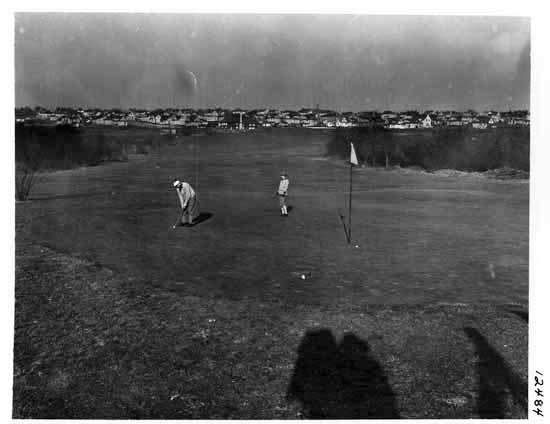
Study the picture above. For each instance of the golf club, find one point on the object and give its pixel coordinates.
(178, 219)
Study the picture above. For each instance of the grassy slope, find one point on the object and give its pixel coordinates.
(89, 344)
(96, 340)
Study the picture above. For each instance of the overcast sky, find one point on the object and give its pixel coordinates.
(340, 62)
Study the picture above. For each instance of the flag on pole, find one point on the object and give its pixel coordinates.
(353, 156)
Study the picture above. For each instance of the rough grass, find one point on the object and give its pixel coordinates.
(90, 344)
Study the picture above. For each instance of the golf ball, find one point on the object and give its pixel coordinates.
(303, 276)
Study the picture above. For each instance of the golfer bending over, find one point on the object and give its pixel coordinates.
(188, 201)
(282, 193)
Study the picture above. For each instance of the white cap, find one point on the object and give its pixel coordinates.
(177, 183)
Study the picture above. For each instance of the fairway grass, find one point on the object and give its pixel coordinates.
(118, 316)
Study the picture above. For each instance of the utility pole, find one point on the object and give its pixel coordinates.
(240, 120)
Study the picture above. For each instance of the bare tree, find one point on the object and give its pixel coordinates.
(25, 179)
(28, 162)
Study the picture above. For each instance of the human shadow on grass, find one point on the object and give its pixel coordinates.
(203, 216)
(340, 381)
(496, 380)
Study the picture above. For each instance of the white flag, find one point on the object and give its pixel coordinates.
(353, 156)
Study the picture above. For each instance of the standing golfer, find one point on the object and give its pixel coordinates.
(282, 193)
(188, 201)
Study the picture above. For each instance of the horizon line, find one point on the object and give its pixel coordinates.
(273, 108)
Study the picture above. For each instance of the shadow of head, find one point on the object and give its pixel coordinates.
(334, 380)
(317, 344)
(474, 335)
(353, 347)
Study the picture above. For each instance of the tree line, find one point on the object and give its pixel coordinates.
(463, 149)
(40, 148)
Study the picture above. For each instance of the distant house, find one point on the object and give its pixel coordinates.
(468, 117)
(454, 122)
(427, 122)
(211, 116)
(411, 124)
(362, 121)
(329, 120)
(479, 125)
(294, 121)
(178, 120)
(480, 122)
(388, 115)
(521, 121)
(343, 123)
(494, 119)
(103, 121)
(272, 120)
(46, 116)
(397, 125)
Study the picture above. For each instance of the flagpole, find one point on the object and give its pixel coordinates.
(350, 190)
